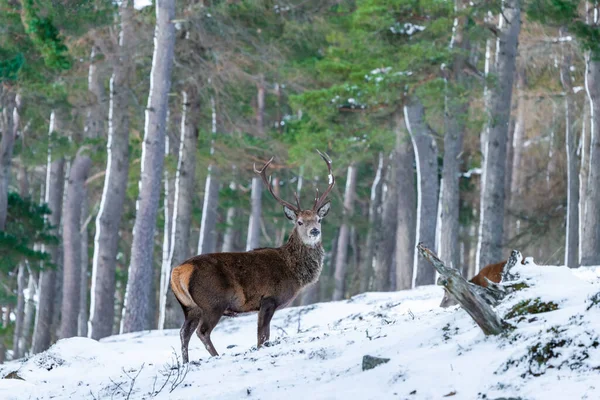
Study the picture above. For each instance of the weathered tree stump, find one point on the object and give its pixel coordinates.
(477, 301)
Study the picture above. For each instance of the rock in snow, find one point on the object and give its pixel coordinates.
(370, 362)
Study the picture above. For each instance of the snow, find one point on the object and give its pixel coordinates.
(381, 70)
(140, 4)
(318, 350)
(406, 28)
(476, 171)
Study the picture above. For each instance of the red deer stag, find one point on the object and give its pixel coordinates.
(493, 272)
(209, 286)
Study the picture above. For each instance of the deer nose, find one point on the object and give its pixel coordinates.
(314, 231)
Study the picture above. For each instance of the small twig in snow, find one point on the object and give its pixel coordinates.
(174, 373)
(392, 305)
(281, 329)
(133, 379)
(117, 386)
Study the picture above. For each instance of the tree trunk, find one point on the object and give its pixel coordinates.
(207, 242)
(455, 118)
(354, 258)
(341, 259)
(231, 233)
(82, 319)
(489, 249)
(29, 316)
(76, 196)
(552, 166)
(108, 220)
(366, 267)
(572, 228)
(426, 156)
(21, 280)
(465, 251)
(47, 284)
(167, 223)
(584, 148)
(489, 70)
(386, 233)
(260, 107)
(516, 174)
(253, 238)
(407, 205)
(20, 310)
(590, 240)
(96, 111)
(165, 271)
(5, 320)
(327, 275)
(136, 314)
(10, 104)
(72, 246)
(171, 316)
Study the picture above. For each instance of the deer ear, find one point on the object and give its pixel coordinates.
(289, 213)
(322, 212)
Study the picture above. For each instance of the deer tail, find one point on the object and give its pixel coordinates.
(180, 284)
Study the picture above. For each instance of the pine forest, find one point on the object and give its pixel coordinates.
(133, 135)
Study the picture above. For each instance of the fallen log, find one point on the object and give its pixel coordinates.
(475, 300)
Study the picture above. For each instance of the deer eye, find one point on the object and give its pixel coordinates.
(300, 223)
(319, 220)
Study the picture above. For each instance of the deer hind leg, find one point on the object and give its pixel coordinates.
(268, 305)
(207, 323)
(192, 319)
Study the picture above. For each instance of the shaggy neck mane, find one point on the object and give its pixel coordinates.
(306, 261)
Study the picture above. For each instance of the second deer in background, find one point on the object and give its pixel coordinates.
(492, 273)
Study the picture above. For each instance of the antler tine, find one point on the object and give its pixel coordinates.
(325, 157)
(297, 200)
(264, 168)
(331, 179)
(263, 174)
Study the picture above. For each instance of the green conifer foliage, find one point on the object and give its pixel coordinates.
(567, 13)
(25, 225)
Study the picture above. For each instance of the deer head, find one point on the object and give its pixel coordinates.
(307, 222)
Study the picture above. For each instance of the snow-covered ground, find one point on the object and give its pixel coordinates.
(316, 352)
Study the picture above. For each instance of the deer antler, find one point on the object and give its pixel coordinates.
(263, 174)
(319, 201)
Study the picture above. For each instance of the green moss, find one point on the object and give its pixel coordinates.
(541, 353)
(518, 286)
(594, 301)
(555, 349)
(528, 307)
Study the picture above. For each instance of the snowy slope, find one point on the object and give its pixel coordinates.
(317, 352)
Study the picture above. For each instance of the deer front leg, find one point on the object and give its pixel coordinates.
(268, 305)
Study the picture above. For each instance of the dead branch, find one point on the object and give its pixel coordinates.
(132, 378)
(473, 300)
(174, 373)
